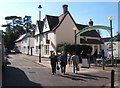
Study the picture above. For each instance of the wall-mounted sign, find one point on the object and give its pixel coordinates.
(47, 41)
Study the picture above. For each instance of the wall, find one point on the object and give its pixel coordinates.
(52, 45)
(116, 51)
(65, 32)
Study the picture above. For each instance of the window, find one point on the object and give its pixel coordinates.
(37, 48)
(47, 49)
(25, 41)
(45, 24)
(36, 38)
(46, 36)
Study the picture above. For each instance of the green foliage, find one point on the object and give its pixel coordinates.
(15, 27)
(71, 48)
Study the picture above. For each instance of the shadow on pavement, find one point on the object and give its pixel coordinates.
(82, 77)
(72, 77)
(16, 78)
(89, 75)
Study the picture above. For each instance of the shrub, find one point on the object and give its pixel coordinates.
(71, 48)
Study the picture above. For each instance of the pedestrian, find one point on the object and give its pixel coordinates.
(95, 56)
(100, 53)
(103, 53)
(69, 59)
(54, 62)
(75, 60)
(63, 62)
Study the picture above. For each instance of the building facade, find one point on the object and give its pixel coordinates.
(55, 30)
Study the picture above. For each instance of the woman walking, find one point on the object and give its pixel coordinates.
(54, 61)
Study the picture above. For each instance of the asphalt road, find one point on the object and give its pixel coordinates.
(23, 71)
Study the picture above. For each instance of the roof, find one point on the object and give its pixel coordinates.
(117, 38)
(52, 21)
(40, 25)
(55, 21)
(23, 36)
(92, 33)
(90, 41)
(105, 39)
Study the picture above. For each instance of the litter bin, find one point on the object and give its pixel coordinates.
(85, 63)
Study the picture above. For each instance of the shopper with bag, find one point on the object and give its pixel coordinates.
(54, 62)
(75, 60)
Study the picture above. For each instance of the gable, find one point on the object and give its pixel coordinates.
(37, 29)
(46, 25)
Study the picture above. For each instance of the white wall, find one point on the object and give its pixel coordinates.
(46, 26)
(52, 45)
(65, 32)
(24, 48)
(116, 51)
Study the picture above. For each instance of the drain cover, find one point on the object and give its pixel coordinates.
(32, 72)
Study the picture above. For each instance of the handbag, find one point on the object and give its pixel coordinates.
(58, 67)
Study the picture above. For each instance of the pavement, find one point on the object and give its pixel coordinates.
(69, 69)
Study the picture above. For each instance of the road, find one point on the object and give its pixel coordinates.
(24, 71)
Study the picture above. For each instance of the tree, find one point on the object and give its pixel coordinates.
(14, 21)
(27, 23)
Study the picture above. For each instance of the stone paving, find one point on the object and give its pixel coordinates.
(92, 69)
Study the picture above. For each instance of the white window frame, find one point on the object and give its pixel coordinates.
(46, 49)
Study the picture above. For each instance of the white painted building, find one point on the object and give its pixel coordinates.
(116, 46)
(116, 51)
(57, 30)
(26, 44)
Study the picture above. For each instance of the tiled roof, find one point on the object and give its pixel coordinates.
(52, 21)
(55, 21)
(23, 36)
(92, 33)
(105, 39)
(90, 41)
(40, 25)
(117, 38)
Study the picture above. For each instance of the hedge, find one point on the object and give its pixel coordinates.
(71, 48)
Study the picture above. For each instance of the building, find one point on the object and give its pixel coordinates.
(25, 44)
(116, 44)
(55, 30)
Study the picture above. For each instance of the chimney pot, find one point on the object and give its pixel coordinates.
(91, 22)
(65, 8)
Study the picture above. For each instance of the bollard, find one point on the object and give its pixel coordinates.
(103, 64)
(112, 78)
(89, 61)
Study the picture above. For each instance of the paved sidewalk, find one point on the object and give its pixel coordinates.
(46, 62)
(92, 69)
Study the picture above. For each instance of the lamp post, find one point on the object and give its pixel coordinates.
(75, 37)
(39, 33)
(112, 60)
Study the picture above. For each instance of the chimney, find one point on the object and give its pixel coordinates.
(90, 22)
(65, 8)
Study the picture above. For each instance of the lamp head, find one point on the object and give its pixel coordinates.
(74, 28)
(110, 18)
(40, 6)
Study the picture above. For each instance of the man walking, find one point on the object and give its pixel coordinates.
(54, 61)
(63, 62)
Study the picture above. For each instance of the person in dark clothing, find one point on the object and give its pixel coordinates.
(54, 62)
(63, 62)
(95, 56)
(103, 53)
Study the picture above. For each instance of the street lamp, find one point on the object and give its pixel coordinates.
(112, 60)
(39, 33)
(75, 29)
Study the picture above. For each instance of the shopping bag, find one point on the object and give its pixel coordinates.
(58, 67)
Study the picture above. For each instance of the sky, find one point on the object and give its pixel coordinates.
(81, 12)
